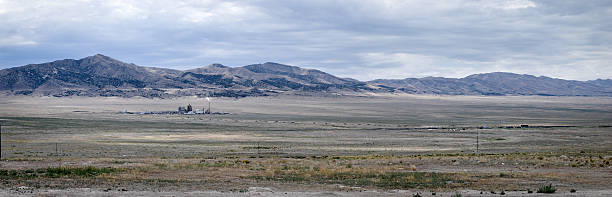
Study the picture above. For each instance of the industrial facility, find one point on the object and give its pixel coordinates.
(182, 110)
(189, 110)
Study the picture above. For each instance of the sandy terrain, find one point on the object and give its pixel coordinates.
(393, 145)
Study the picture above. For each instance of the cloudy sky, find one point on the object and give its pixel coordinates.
(361, 39)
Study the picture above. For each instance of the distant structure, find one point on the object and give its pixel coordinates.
(208, 110)
(186, 110)
(189, 110)
(182, 109)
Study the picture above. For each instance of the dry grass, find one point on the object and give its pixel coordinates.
(420, 143)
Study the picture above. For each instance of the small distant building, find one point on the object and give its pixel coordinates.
(190, 110)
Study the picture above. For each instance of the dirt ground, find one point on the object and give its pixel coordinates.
(390, 145)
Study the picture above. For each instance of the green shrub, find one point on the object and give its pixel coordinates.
(389, 180)
(78, 171)
(547, 189)
(56, 172)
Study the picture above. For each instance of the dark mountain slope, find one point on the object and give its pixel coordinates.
(94, 72)
(310, 76)
(105, 76)
(499, 83)
(100, 75)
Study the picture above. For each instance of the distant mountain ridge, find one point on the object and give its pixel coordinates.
(100, 75)
(500, 83)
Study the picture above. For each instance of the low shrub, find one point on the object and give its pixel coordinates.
(547, 189)
(76, 171)
(55, 172)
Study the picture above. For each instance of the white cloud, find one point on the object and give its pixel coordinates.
(130, 10)
(15, 40)
(363, 39)
(403, 65)
(507, 4)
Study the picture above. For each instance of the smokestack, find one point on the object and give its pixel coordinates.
(208, 99)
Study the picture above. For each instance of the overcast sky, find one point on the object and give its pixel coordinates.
(360, 39)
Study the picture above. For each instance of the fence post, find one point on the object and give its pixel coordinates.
(477, 141)
(0, 140)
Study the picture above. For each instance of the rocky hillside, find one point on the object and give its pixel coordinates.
(100, 75)
(499, 83)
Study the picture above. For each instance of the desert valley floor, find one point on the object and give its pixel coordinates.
(396, 145)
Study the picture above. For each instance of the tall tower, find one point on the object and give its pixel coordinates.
(208, 111)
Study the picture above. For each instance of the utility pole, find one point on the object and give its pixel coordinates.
(0, 140)
(208, 99)
(477, 136)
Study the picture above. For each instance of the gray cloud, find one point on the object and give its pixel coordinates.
(350, 38)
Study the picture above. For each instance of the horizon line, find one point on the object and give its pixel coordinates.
(429, 76)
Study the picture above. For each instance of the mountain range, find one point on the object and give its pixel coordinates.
(100, 75)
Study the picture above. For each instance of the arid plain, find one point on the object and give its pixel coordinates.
(396, 145)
